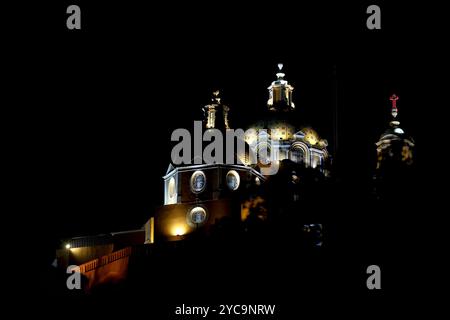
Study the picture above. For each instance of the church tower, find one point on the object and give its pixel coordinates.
(280, 93)
(395, 159)
(215, 114)
(395, 147)
(279, 136)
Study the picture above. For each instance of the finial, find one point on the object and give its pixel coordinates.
(394, 110)
(280, 74)
(216, 96)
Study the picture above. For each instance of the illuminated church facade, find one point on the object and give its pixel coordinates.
(299, 145)
(197, 197)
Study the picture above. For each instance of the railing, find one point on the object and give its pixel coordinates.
(99, 262)
(90, 241)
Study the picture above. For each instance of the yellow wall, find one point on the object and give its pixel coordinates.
(171, 220)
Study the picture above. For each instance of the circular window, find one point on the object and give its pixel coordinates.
(171, 187)
(198, 181)
(196, 216)
(233, 180)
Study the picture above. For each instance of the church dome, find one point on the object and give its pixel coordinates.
(393, 131)
(278, 135)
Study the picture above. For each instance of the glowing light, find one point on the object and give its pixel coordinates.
(251, 138)
(67, 246)
(244, 161)
(311, 136)
(178, 230)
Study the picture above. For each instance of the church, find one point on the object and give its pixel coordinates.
(207, 201)
(197, 196)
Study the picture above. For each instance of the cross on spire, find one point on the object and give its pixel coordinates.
(394, 99)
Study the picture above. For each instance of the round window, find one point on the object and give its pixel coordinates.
(196, 216)
(198, 181)
(233, 180)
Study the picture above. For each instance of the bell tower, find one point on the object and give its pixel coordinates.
(394, 145)
(216, 113)
(280, 93)
(395, 162)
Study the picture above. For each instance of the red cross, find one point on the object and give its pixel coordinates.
(394, 99)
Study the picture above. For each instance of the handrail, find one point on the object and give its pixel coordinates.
(104, 260)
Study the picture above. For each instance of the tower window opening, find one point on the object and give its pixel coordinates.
(297, 155)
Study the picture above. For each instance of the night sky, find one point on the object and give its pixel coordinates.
(102, 102)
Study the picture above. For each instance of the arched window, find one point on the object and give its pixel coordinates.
(297, 154)
(171, 191)
(317, 161)
(263, 153)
